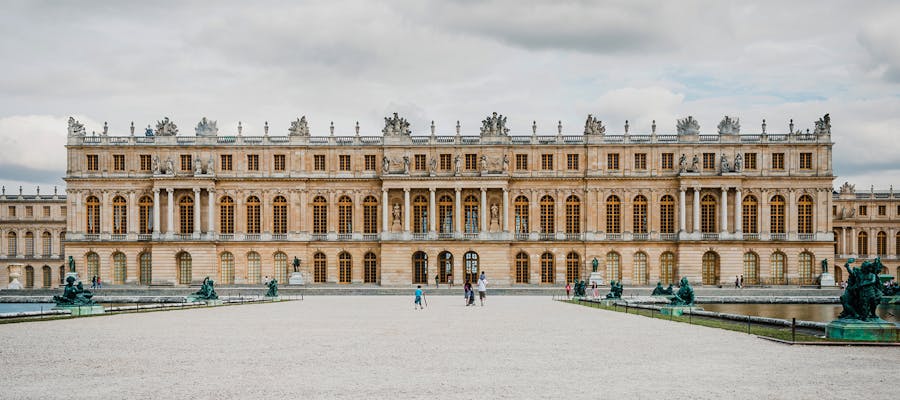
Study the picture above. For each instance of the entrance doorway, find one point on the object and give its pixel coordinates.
(445, 266)
(471, 267)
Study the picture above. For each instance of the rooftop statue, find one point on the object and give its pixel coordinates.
(848, 188)
(685, 294)
(494, 125)
(299, 127)
(395, 126)
(207, 290)
(730, 126)
(206, 128)
(823, 125)
(273, 288)
(593, 126)
(75, 128)
(688, 126)
(863, 293)
(660, 291)
(166, 128)
(74, 295)
(615, 290)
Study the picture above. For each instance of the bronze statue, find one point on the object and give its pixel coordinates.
(863, 293)
(74, 295)
(615, 290)
(580, 288)
(595, 264)
(273, 288)
(71, 264)
(824, 265)
(296, 264)
(660, 291)
(207, 290)
(685, 294)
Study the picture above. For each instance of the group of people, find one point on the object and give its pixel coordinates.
(468, 293)
(594, 290)
(96, 283)
(739, 281)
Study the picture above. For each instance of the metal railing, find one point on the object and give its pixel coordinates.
(709, 236)
(318, 236)
(641, 236)
(279, 236)
(668, 236)
(778, 236)
(751, 236)
(252, 236)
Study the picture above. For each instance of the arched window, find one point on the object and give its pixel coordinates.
(345, 215)
(573, 214)
(470, 260)
(253, 215)
(279, 215)
(145, 215)
(710, 268)
(93, 265)
(370, 268)
(548, 214)
(862, 244)
(92, 211)
(420, 268)
(667, 214)
(613, 267)
(47, 243)
(12, 244)
(805, 268)
(708, 213)
(521, 210)
(345, 268)
(120, 269)
(751, 268)
(641, 277)
(319, 268)
(613, 214)
(47, 275)
(639, 214)
(29, 277)
(226, 215)
(881, 244)
(445, 214)
(445, 266)
(667, 272)
(254, 268)
(778, 268)
(320, 215)
(29, 244)
(548, 269)
(750, 215)
(281, 267)
(62, 275)
(120, 215)
(420, 214)
(146, 262)
(186, 215)
(776, 214)
(522, 268)
(370, 215)
(470, 208)
(185, 274)
(805, 214)
(573, 267)
(226, 268)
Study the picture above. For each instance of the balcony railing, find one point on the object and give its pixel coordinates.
(470, 236)
(806, 236)
(641, 236)
(779, 236)
(144, 237)
(184, 236)
(226, 236)
(573, 236)
(445, 235)
(751, 236)
(371, 237)
(344, 236)
(668, 236)
(522, 236)
(91, 236)
(613, 236)
(318, 236)
(279, 236)
(419, 236)
(117, 236)
(546, 236)
(709, 236)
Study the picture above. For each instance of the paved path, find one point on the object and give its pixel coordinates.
(379, 347)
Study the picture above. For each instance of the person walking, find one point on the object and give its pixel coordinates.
(741, 281)
(737, 282)
(437, 281)
(420, 294)
(99, 283)
(467, 287)
(568, 290)
(94, 282)
(482, 288)
(595, 290)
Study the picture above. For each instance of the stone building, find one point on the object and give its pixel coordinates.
(397, 209)
(33, 229)
(866, 225)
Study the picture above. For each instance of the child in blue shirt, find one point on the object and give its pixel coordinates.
(419, 295)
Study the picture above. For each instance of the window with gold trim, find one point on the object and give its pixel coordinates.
(370, 268)
(613, 266)
(345, 269)
(806, 161)
(319, 162)
(344, 162)
(521, 162)
(776, 214)
(751, 268)
(92, 208)
(667, 214)
(93, 265)
(319, 268)
(320, 215)
(471, 162)
(522, 210)
(345, 215)
(749, 160)
(118, 162)
(47, 243)
(254, 268)
(445, 214)
(120, 269)
(708, 213)
(573, 267)
(370, 215)
(470, 209)
(12, 244)
(639, 214)
(446, 162)
(420, 214)
(547, 162)
(613, 214)
(805, 214)
(279, 215)
(370, 162)
(186, 162)
(641, 275)
(93, 162)
(278, 162)
(226, 215)
(548, 214)
(522, 270)
(226, 269)
(252, 162)
(778, 268)
(145, 215)
(640, 161)
(612, 161)
(710, 263)
(572, 163)
(146, 162)
(750, 215)
(419, 162)
(225, 163)
(881, 244)
(120, 216)
(778, 161)
(281, 267)
(862, 244)
(548, 269)
(668, 161)
(573, 214)
(186, 215)
(709, 161)
(29, 244)
(805, 268)
(667, 272)
(253, 215)
(185, 268)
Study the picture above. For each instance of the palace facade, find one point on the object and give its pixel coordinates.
(33, 228)
(399, 209)
(866, 225)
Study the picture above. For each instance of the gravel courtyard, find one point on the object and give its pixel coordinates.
(379, 347)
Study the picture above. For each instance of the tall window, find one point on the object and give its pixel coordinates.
(186, 214)
(370, 268)
(420, 214)
(667, 214)
(805, 214)
(145, 215)
(47, 243)
(120, 215)
(613, 214)
(319, 268)
(548, 270)
(667, 272)
(522, 270)
(710, 268)
(29, 244)
(573, 214)
(370, 162)
(281, 267)
(778, 268)
(146, 261)
(420, 268)
(226, 268)
(613, 267)
(146, 162)
(572, 162)
(640, 161)
(445, 214)
(708, 213)
(547, 162)
(226, 215)
(862, 244)
(863, 211)
(750, 215)
(806, 161)
(778, 161)
(345, 215)
(471, 162)
(92, 208)
(370, 215)
(12, 244)
(751, 268)
(279, 215)
(254, 267)
(805, 268)
(279, 162)
(320, 215)
(93, 162)
(185, 273)
(252, 162)
(548, 214)
(185, 162)
(521, 162)
(639, 214)
(118, 162)
(446, 162)
(612, 161)
(444, 266)
(225, 163)
(749, 160)
(881, 244)
(345, 269)
(709, 161)
(641, 276)
(573, 267)
(470, 207)
(253, 214)
(419, 162)
(93, 265)
(120, 269)
(344, 162)
(668, 161)
(522, 210)
(776, 214)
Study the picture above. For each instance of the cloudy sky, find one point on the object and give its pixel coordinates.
(544, 61)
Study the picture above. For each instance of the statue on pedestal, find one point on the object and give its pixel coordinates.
(580, 287)
(296, 264)
(660, 291)
(207, 290)
(615, 290)
(74, 295)
(273, 288)
(71, 264)
(685, 294)
(594, 265)
(863, 293)
(824, 265)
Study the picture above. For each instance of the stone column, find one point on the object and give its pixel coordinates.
(210, 212)
(385, 211)
(844, 241)
(406, 210)
(105, 220)
(156, 211)
(432, 226)
(738, 211)
(724, 221)
(696, 220)
(505, 215)
(132, 207)
(483, 210)
(197, 212)
(682, 211)
(302, 226)
(458, 207)
(170, 214)
(852, 240)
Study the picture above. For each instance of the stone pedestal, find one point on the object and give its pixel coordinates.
(868, 331)
(596, 277)
(677, 311)
(72, 274)
(82, 310)
(826, 280)
(15, 284)
(296, 279)
(15, 272)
